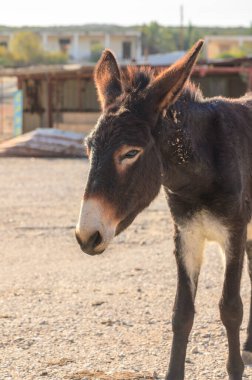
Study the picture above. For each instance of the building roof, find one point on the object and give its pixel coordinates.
(82, 32)
(86, 71)
(228, 38)
(165, 59)
(49, 71)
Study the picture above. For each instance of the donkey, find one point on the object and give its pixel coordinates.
(158, 129)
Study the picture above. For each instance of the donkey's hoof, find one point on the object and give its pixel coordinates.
(247, 357)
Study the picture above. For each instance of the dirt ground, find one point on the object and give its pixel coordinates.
(66, 315)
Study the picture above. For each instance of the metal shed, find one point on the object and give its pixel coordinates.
(65, 97)
(56, 96)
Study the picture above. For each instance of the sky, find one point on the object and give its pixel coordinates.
(126, 12)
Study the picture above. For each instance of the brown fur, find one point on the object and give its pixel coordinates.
(200, 151)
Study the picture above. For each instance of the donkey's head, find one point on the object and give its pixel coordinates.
(125, 166)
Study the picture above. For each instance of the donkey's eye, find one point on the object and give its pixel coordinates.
(131, 154)
(126, 155)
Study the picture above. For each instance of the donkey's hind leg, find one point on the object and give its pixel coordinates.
(231, 308)
(247, 348)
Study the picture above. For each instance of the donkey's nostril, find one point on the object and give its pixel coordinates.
(89, 245)
(95, 239)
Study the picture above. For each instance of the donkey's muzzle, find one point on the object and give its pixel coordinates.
(96, 227)
(90, 245)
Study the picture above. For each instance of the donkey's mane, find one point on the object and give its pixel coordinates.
(136, 78)
(192, 92)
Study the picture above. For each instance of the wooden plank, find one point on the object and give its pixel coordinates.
(45, 143)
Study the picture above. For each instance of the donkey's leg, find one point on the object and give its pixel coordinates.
(247, 348)
(189, 245)
(231, 309)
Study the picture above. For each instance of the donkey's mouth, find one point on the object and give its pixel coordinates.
(93, 253)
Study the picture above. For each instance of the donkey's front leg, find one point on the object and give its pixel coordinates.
(247, 348)
(231, 309)
(189, 245)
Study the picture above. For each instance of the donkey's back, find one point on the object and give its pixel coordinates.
(235, 123)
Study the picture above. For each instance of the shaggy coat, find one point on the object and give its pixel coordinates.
(157, 129)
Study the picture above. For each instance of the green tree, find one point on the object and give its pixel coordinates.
(96, 50)
(54, 58)
(5, 57)
(233, 53)
(25, 47)
(151, 38)
(159, 39)
(167, 41)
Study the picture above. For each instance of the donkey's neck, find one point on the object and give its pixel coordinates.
(184, 141)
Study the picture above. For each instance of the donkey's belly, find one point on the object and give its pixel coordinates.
(194, 233)
(207, 227)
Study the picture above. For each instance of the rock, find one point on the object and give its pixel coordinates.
(195, 350)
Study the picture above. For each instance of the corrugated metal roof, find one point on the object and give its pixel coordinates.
(162, 59)
(46, 70)
(155, 60)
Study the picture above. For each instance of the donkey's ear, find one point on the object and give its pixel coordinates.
(167, 86)
(107, 78)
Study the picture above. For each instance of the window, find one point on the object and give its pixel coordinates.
(225, 46)
(126, 47)
(64, 44)
(3, 44)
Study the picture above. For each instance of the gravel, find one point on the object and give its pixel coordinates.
(66, 315)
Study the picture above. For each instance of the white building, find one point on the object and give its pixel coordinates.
(82, 46)
(215, 46)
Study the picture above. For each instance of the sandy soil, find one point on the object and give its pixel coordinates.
(65, 315)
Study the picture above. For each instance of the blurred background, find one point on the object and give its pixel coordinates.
(63, 314)
(48, 52)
